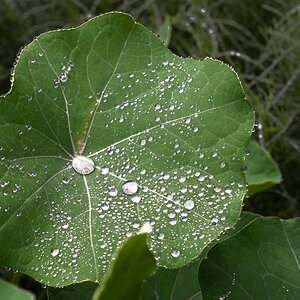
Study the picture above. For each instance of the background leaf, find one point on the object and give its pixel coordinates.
(174, 284)
(260, 262)
(80, 291)
(9, 291)
(262, 170)
(165, 137)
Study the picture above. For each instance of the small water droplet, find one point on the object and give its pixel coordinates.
(175, 253)
(113, 192)
(136, 198)
(55, 252)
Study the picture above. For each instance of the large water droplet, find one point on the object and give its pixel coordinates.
(130, 187)
(83, 165)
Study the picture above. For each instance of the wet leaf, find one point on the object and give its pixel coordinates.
(105, 131)
(260, 262)
(9, 291)
(262, 170)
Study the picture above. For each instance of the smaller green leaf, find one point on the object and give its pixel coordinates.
(9, 291)
(133, 263)
(262, 170)
(260, 262)
(165, 31)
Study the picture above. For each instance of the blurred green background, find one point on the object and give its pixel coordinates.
(259, 38)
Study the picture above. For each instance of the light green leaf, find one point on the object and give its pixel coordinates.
(262, 170)
(133, 263)
(165, 30)
(9, 291)
(260, 262)
(164, 136)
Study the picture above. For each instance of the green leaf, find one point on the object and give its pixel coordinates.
(260, 262)
(9, 291)
(80, 291)
(133, 263)
(104, 131)
(182, 283)
(262, 170)
(165, 31)
(175, 284)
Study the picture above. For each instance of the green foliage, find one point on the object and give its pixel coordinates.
(260, 262)
(9, 291)
(113, 137)
(262, 170)
(133, 263)
(175, 284)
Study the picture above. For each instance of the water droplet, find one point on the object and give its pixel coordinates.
(136, 198)
(55, 252)
(66, 180)
(113, 192)
(146, 228)
(175, 253)
(104, 170)
(189, 204)
(83, 165)
(130, 187)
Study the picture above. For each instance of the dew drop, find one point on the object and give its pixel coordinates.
(189, 204)
(83, 165)
(175, 253)
(104, 170)
(130, 187)
(55, 252)
(136, 198)
(113, 192)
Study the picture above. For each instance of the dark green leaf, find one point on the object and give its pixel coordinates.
(260, 262)
(174, 284)
(109, 90)
(80, 291)
(262, 170)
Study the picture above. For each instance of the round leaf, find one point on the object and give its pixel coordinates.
(105, 130)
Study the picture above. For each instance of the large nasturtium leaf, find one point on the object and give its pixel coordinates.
(105, 130)
(260, 262)
(262, 170)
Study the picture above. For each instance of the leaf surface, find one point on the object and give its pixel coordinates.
(260, 262)
(160, 140)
